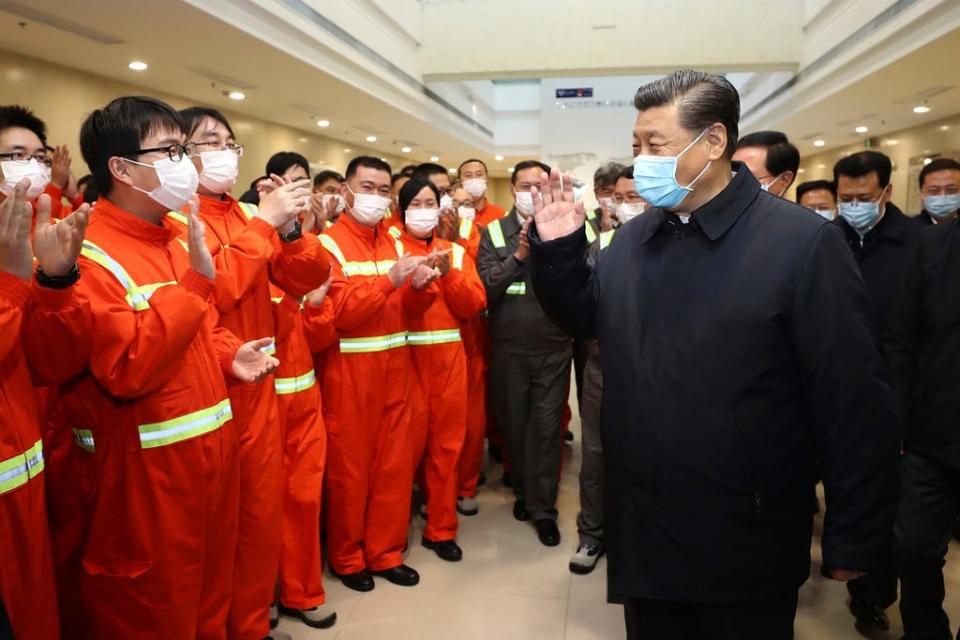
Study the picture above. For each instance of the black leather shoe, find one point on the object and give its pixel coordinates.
(547, 532)
(869, 615)
(507, 480)
(448, 550)
(359, 581)
(520, 511)
(401, 575)
(496, 453)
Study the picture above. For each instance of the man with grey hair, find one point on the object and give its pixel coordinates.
(736, 355)
(604, 181)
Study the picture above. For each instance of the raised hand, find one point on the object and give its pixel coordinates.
(60, 169)
(250, 364)
(316, 297)
(283, 204)
(555, 212)
(200, 259)
(440, 260)
(315, 215)
(57, 245)
(448, 226)
(403, 268)
(15, 216)
(423, 276)
(523, 250)
(606, 217)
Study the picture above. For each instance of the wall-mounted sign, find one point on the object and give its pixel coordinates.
(582, 92)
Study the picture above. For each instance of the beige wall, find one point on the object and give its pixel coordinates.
(907, 149)
(63, 97)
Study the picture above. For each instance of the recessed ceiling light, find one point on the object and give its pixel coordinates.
(801, 170)
(434, 158)
(347, 150)
(818, 143)
(945, 127)
(371, 138)
(861, 129)
(510, 170)
(237, 95)
(889, 142)
(303, 139)
(922, 108)
(406, 149)
(927, 161)
(323, 123)
(137, 65)
(451, 170)
(821, 166)
(498, 157)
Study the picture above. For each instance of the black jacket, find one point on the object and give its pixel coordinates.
(881, 255)
(517, 321)
(736, 354)
(923, 345)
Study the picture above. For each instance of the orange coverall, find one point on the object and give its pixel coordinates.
(158, 559)
(27, 585)
(304, 457)
(367, 383)
(440, 363)
(248, 254)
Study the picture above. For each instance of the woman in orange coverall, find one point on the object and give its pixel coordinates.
(439, 360)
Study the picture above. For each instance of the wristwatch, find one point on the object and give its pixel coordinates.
(294, 234)
(58, 282)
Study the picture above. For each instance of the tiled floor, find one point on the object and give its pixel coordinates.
(510, 587)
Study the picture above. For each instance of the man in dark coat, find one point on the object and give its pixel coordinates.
(737, 354)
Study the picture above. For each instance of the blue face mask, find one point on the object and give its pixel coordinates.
(942, 206)
(860, 215)
(655, 178)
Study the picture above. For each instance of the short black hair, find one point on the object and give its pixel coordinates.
(17, 116)
(626, 172)
(408, 169)
(283, 160)
(527, 164)
(398, 176)
(606, 175)
(428, 169)
(465, 162)
(782, 155)
(702, 99)
(816, 185)
(193, 116)
(118, 129)
(940, 164)
(410, 190)
(88, 189)
(323, 176)
(864, 163)
(369, 162)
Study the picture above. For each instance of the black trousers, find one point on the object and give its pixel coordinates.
(929, 503)
(768, 619)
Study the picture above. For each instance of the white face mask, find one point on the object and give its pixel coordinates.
(524, 202)
(369, 208)
(421, 222)
(178, 182)
(627, 211)
(466, 213)
(608, 204)
(220, 169)
(446, 202)
(476, 187)
(16, 170)
(341, 203)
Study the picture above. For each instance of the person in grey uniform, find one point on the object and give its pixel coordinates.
(530, 360)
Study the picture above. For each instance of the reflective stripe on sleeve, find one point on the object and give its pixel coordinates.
(458, 253)
(16, 471)
(442, 336)
(84, 439)
(249, 209)
(198, 423)
(285, 386)
(179, 217)
(496, 234)
(517, 289)
(373, 343)
(591, 234)
(271, 348)
(466, 226)
(137, 296)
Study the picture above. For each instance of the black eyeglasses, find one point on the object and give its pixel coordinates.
(174, 151)
(23, 156)
(216, 146)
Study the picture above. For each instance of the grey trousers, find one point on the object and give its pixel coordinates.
(529, 391)
(590, 518)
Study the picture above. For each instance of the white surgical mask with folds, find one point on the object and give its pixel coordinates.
(476, 187)
(446, 202)
(942, 206)
(369, 208)
(466, 213)
(16, 170)
(328, 197)
(178, 181)
(524, 202)
(220, 169)
(421, 222)
(627, 211)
